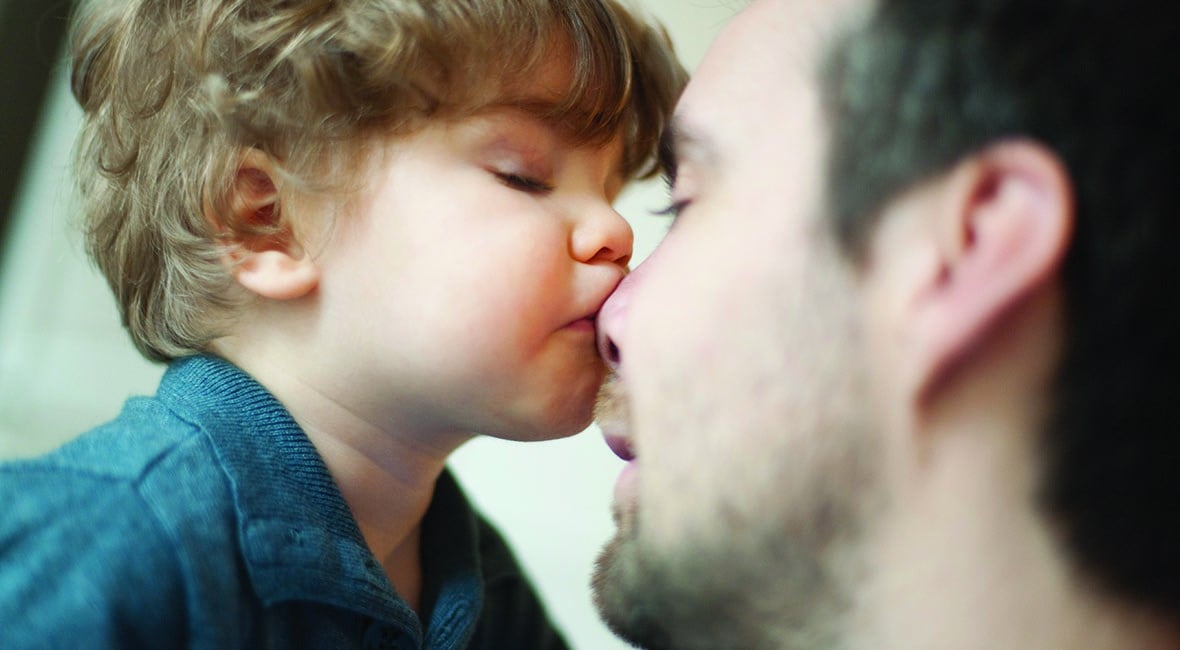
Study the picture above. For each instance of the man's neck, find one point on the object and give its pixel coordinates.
(965, 558)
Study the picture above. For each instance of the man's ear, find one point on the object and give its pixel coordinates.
(265, 256)
(1000, 227)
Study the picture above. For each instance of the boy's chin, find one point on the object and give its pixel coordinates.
(546, 428)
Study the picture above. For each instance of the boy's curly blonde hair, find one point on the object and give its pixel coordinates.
(175, 91)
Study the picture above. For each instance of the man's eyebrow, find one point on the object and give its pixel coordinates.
(679, 142)
(666, 153)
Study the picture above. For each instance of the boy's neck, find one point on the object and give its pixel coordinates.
(388, 500)
(386, 477)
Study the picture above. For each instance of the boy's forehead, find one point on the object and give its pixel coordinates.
(547, 82)
(588, 96)
(543, 95)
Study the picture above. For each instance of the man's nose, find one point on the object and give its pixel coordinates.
(612, 319)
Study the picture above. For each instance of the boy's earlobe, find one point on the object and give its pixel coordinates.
(277, 274)
(1002, 227)
(263, 251)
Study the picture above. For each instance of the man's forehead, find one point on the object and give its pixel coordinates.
(768, 52)
(779, 36)
(769, 45)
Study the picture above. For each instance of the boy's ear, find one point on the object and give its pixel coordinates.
(265, 256)
(1000, 228)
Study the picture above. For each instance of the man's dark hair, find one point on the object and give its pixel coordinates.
(923, 84)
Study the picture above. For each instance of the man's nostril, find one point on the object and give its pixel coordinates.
(608, 350)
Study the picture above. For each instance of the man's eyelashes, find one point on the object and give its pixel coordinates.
(673, 210)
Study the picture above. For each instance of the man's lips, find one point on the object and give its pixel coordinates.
(627, 484)
(612, 415)
(621, 446)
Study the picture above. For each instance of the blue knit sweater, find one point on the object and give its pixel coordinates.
(204, 518)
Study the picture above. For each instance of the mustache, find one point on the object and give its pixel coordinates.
(612, 405)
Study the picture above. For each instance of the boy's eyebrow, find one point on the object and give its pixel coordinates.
(547, 114)
(541, 111)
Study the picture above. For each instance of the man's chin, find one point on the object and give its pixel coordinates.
(620, 586)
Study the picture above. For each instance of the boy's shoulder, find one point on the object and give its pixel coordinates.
(124, 449)
(99, 532)
(143, 461)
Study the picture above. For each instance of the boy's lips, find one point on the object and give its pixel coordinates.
(586, 323)
(594, 307)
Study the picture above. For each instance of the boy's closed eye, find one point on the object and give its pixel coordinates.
(523, 183)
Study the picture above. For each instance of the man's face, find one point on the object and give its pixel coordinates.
(741, 387)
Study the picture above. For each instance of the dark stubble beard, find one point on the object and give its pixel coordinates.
(622, 602)
(624, 596)
(767, 584)
(758, 585)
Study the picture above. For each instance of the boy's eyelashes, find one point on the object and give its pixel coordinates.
(523, 183)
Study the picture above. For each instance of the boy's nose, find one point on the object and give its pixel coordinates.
(612, 318)
(603, 235)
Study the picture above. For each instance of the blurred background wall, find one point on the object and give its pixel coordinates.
(66, 364)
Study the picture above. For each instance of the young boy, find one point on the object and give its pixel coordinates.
(360, 232)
